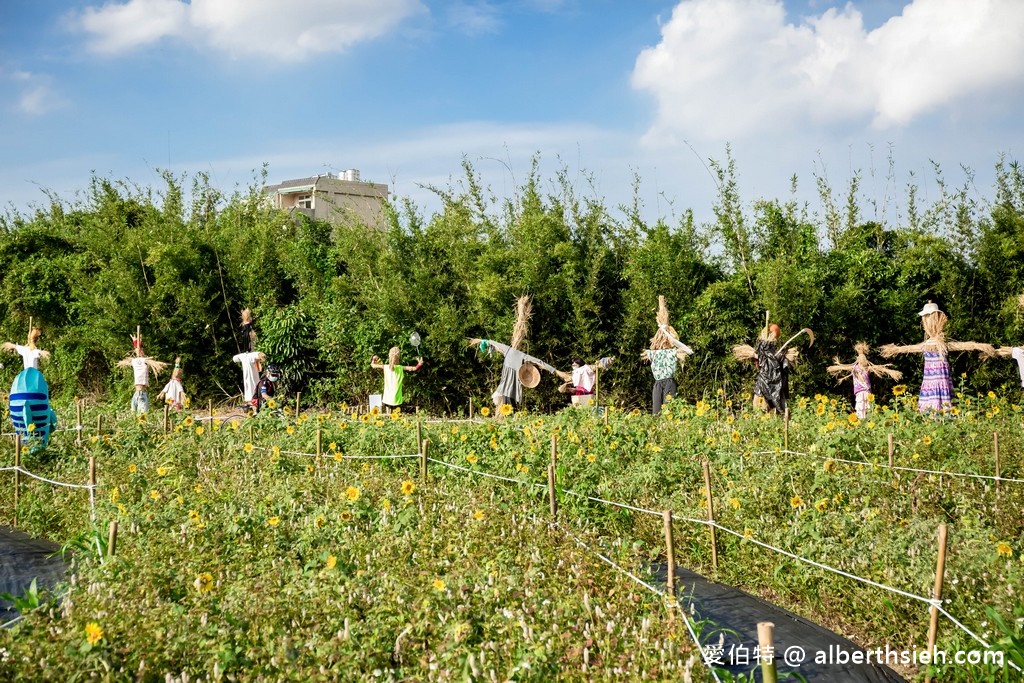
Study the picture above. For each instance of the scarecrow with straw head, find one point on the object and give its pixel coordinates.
(937, 386)
(250, 359)
(30, 354)
(141, 366)
(173, 392)
(860, 370)
(518, 369)
(773, 362)
(1015, 352)
(665, 354)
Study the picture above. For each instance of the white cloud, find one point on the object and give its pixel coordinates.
(734, 68)
(474, 19)
(290, 31)
(34, 93)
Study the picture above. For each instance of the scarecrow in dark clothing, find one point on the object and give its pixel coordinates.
(774, 363)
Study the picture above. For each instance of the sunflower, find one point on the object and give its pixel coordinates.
(506, 409)
(408, 487)
(796, 501)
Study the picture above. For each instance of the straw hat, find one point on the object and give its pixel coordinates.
(529, 375)
(929, 307)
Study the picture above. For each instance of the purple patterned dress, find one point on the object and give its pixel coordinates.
(936, 387)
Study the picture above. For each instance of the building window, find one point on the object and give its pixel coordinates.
(304, 201)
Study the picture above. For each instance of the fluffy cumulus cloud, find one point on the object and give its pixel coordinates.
(33, 93)
(290, 31)
(733, 68)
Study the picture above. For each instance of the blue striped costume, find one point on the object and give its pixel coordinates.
(30, 405)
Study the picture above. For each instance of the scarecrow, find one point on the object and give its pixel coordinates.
(519, 369)
(860, 371)
(30, 355)
(173, 392)
(582, 384)
(252, 365)
(141, 366)
(936, 387)
(394, 376)
(774, 363)
(665, 354)
(33, 417)
(248, 341)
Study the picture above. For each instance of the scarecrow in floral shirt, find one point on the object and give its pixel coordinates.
(665, 355)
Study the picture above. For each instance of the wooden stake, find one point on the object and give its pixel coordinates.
(17, 475)
(766, 645)
(470, 407)
(99, 427)
(209, 406)
(940, 570)
(552, 498)
(597, 388)
(112, 539)
(423, 461)
(78, 422)
(419, 435)
(298, 408)
(167, 425)
(554, 449)
(92, 470)
(892, 451)
(670, 551)
(785, 429)
(995, 450)
(711, 512)
(319, 445)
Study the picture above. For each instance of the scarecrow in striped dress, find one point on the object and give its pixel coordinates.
(774, 363)
(518, 369)
(937, 386)
(860, 370)
(665, 354)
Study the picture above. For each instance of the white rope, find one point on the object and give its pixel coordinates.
(611, 502)
(15, 620)
(331, 454)
(482, 474)
(473, 421)
(48, 481)
(969, 632)
(823, 566)
(651, 588)
(896, 467)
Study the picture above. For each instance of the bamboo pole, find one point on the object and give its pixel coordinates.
(423, 460)
(78, 422)
(940, 570)
(995, 451)
(766, 648)
(419, 435)
(319, 445)
(92, 470)
(670, 552)
(597, 388)
(209, 405)
(298, 408)
(552, 498)
(167, 426)
(17, 474)
(785, 429)
(112, 539)
(711, 512)
(892, 450)
(470, 407)
(99, 427)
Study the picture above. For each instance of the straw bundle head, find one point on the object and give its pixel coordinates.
(862, 350)
(176, 373)
(524, 308)
(394, 355)
(661, 340)
(137, 345)
(934, 325)
(246, 316)
(33, 335)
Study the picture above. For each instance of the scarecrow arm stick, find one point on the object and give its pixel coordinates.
(539, 363)
(885, 371)
(986, 350)
(1002, 351)
(810, 334)
(45, 355)
(13, 348)
(125, 362)
(156, 366)
(675, 342)
(491, 345)
(744, 352)
(840, 371)
(890, 350)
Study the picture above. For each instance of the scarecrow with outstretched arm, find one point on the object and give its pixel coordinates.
(141, 366)
(518, 366)
(30, 354)
(937, 386)
(773, 363)
(665, 354)
(860, 370)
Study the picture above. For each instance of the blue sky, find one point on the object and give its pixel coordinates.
(403, 90)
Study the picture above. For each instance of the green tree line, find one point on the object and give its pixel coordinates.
(183, 259)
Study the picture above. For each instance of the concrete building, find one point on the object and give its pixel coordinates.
(340, 199)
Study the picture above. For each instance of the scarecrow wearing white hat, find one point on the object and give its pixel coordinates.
(666, 353)
(30, 354)
(141, 366)
(937, 386)
(860, 370)
(774, 363)
(518, 369)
